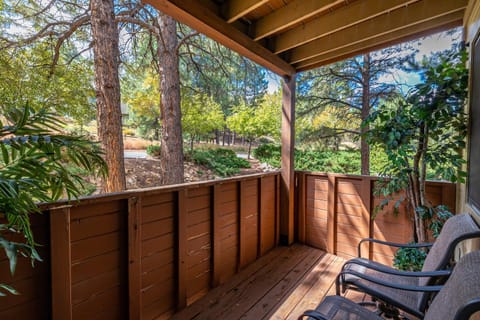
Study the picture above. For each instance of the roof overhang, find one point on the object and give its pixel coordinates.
(289, 36)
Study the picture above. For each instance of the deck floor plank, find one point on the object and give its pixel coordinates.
(280, 285)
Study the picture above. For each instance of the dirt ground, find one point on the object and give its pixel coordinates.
(144, 173)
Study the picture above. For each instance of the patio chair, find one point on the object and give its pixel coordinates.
(458, 299)
(391, 286)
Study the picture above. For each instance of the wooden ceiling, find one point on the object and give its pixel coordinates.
(289, 36)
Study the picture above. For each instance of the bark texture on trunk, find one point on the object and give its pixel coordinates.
(171, 151)
(364, 148)
(107, 91)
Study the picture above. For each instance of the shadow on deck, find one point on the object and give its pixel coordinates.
(280, 285)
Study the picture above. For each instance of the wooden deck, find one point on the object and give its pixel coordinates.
(280, 285)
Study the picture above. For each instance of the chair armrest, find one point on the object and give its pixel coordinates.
(385, 269)
(388, 284)
(312, 314)
(392, 244)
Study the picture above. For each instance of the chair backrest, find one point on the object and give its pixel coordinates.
(460, 297)
(455, 229)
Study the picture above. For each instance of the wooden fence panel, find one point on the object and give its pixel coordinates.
(99, 273)
(267, 214)
(248, 221)
(158, 252)
(338, 211)
(352, 216)
(316, 232)
(143, 254)
(198, 235)
(226, 231)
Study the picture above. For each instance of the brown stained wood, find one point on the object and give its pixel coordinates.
(84, 290)
(30, 289)
(95, 209)
(83, 228)
(312, 289)
(207, 22)
(108, 300)
(157, 245)
(242, 260)
(135, 257)
(216, 295)
(157, 198)
(157, 228)
(91, 247)
(199, 216)
(198, 203)
(198, 192)
(87, 269)
(301, 208)
(160, 289)
(61, 262)
(198, 230)
(182, 238)
(287, 175)
(35, 309)
(331, 215)
(216, 240)
(276, 294)
(160, 309)
(157, 211)
(277, 209)
(277, 286)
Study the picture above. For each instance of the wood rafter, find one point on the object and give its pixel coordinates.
(289, 15)
(423, 29)
(205, 21)
(236, 9)
(296, 35)
(338, 20)
(394, 21)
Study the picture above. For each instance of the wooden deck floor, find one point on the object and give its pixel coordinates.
(280, 285)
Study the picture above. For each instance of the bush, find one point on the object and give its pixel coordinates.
(223, 162)
(344, 161)
(409, 259)
(153, 150)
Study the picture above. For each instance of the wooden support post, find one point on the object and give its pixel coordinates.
(216, 239)
(288, 145)
(182, 248)
(61, 261)
(331, 215)
(277, 209)
(135, 257)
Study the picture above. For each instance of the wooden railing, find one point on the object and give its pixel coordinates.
(147, 253)
(335, 211)
(144, 253)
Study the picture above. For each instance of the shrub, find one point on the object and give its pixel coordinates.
(153, 150)
(409, 259)
(223, 162)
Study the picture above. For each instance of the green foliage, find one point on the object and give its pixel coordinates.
(200, 116)
(409, 259)
(345, 161)
(153, 150)
(425, 131)
(223, 162)
(34, 167)
(269, 153)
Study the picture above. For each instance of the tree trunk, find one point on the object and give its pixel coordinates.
(171, 151)
(107, 91)
(364, 148)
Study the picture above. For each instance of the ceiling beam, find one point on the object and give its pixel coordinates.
(235, 9)
(342, 18)
(442, 23)
(387, 23)
(205, 21)
(293, 13)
